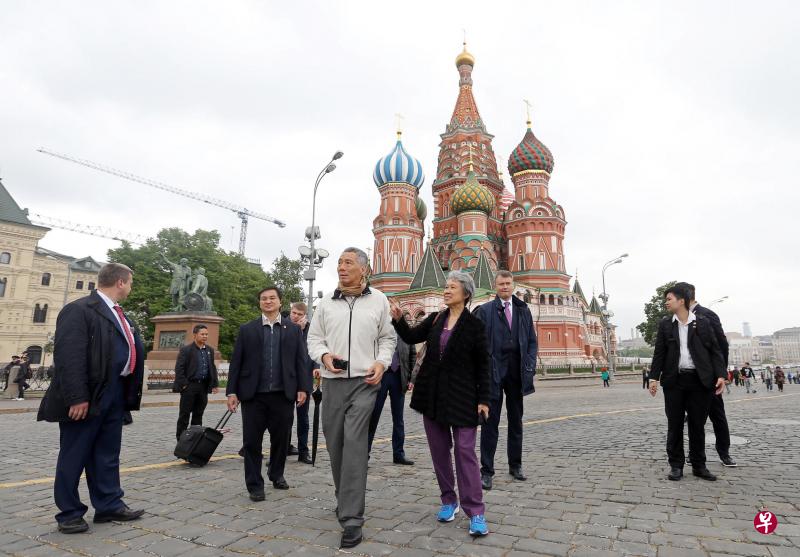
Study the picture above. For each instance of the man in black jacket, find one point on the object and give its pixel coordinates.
(513, 349)
(688, 362)
(195, 378)
(268, 373)
(298, 316)
(716, 412)
(99, 371)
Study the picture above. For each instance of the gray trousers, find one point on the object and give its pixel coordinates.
(347, 406)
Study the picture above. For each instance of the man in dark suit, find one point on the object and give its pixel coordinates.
(298, 314)
(99, 371)
(195, 378)
(688, 362)
(513, 349)
(268, 373)
(716, 412)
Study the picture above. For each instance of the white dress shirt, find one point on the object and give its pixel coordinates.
(267, 321)
(685, 361)
(111, 303)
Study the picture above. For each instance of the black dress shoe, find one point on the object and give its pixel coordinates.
(517, 474)
(728, 461)
(280, 483)
(257, 495)
(704, 473)
(74, 526)
(675, 474)
(351, 537)
(486, 482)
(403, 460)
(304, 458)
(241, 452)
(293, 451)
(123, 515)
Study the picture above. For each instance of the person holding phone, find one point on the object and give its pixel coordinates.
(452, 392)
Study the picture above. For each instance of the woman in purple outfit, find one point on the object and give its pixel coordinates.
(451, 392)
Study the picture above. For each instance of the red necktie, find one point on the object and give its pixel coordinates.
(128, 336)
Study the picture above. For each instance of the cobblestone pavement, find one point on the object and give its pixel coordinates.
(597, 486)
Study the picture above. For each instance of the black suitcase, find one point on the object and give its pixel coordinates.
(198, 443)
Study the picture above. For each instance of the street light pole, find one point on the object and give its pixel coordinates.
(717, 301)
(607, 315)
(314, 262)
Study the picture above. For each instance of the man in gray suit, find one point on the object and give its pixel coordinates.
(395, 384)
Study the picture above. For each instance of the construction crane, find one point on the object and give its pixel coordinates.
(88, 229)
(243, 213)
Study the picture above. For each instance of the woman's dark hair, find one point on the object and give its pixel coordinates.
(681, 292)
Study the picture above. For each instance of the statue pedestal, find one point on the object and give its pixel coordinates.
(174, 330)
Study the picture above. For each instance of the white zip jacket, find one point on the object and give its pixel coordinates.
(358, 330)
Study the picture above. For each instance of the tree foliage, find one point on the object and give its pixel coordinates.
(654, 311)
(233, 282)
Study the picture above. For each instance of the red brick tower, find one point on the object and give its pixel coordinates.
(398, 228)
(534, 221)
(466, 131)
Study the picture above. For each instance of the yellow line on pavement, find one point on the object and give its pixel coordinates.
(172, 463)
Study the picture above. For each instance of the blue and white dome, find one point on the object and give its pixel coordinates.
(398, 166)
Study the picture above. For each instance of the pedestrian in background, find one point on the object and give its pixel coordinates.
(748, 376)
(780, 378)
(452, 392)
(195, 379)
(605, 376)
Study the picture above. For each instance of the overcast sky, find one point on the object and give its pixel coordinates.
(674, 126)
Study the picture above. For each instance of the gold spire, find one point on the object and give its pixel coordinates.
(465, 57)
(399, 120)
(528, 110)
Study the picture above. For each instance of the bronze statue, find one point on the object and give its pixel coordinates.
(181, 277)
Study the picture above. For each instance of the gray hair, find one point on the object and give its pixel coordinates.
(362, 257)
(465, 279)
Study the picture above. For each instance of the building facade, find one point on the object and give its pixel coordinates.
(35, 283)
(480, 226)
(786, 344)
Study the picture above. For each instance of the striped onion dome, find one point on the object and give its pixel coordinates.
(506, 199)
(398, 166)
(472, 196)
(530, 154)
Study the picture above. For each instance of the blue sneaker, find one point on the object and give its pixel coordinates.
(477, 526)
(447, 513)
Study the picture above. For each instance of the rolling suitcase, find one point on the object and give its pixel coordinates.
(198, 443)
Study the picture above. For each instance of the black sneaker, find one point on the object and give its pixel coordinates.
(728, 461)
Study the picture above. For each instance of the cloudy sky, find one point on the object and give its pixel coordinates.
(675, 126)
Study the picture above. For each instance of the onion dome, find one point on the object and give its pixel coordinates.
(465, 58)
(530, 154)
(422, 209)
(472, 196)
(398, 166)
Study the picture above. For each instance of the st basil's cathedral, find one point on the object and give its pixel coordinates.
(479, 226)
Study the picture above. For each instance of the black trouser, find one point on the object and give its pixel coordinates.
(391, 385)
(688, 398)
(265, 412)
(720, 422)
(512, 386)
(645, 382)
(194, 399)
(302, 428)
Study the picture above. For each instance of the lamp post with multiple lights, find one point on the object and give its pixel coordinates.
(607, 314)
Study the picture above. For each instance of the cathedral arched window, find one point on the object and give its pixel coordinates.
(5, 258)
(541, 299)
(551, 300)
(46, 279)
(560, 301)
(521, 262)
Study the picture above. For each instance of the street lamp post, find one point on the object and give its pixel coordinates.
(313, 255)
(607, 315)
(717, 301)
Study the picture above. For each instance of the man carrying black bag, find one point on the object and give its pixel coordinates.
(195, 379)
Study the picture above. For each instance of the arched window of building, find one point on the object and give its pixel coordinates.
(560, 301)
(79, 285)
(3, 282)
(5, 257)
(395, 262)
(521, 262)
(90, 286)
(34, 354)
(551, 300)
(46, 279)
(378, 264)
(413, 262)
(550, 335)
(395, 221)
(541, 299)
(40, 314)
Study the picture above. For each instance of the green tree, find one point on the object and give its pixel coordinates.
(654, 311)
(233, 282)
(287, 275)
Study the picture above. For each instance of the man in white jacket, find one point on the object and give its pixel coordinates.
(352, 335)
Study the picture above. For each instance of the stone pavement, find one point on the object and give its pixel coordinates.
(597, 486)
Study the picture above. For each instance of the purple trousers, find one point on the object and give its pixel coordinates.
(441, 440)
